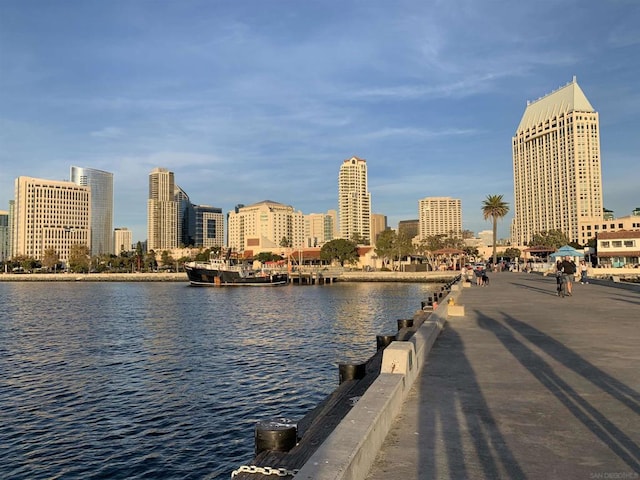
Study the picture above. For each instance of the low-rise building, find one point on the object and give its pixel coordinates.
(618, 249)
(590, 229)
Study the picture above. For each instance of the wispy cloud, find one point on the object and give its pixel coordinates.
(108, 133)
(245, 102)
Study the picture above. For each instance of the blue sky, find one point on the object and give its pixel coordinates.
(264, 99)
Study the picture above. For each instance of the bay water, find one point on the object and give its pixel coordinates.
(162, 380)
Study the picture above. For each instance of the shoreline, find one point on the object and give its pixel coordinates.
(621, 276)
(427, 277)
(94, 277)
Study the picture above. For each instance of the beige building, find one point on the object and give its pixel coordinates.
(439, 216)
(354, 200)
(589, 230)
(556, 166)
(50, 214)
(378, 225)
(319, 229)
(162, 211)
(122, 240)
(263, 226)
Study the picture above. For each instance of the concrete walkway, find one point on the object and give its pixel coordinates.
(526, 385)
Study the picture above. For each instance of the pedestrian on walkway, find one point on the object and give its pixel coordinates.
(558, 276)
(583, 272)
(569, 270)
(478, 273)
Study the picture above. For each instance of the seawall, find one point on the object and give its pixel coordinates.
(93, 277)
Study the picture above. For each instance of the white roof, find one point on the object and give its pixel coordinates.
(566, 99)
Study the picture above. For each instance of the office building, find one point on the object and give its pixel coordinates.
(378, 225)
(186, 218)
(209, 226)
(101, 184)
(122, 240)
(319, 228)
(556, 167)
(50, 214)
(589, 230)
(439, 216)
(265, 227)
(354, 200)
(4, 236)
(162, 211)
(409, 228)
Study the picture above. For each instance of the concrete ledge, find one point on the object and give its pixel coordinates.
(400, 358)
(351, 449)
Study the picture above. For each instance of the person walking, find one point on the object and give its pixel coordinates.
(568, 271)
(558, 277)
(478, 274)
(583, 272)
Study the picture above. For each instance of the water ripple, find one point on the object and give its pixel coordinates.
(133, 381)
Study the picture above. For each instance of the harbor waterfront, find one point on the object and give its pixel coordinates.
(162, 380)
(337, 275)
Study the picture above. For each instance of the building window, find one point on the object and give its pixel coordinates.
(629, 243)
(617, 243)
(604, 244)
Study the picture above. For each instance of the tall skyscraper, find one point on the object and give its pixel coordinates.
(162, 211)
(556, 166)
(439, 216)
(186, 218)
(101, 184)
(354, 200)
(49, 214)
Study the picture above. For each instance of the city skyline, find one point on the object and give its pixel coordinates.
(246, 103)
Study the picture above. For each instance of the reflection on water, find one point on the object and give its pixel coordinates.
(160, 380)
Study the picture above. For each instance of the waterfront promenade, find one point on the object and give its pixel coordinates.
(526, 385)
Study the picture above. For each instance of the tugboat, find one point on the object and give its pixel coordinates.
(225, 271)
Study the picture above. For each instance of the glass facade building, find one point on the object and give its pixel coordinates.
(101, 185)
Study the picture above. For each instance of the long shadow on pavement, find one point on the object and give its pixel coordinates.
(615, 439)
(465, 410)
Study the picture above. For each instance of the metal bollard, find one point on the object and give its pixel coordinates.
(351, 371)
(277, 434)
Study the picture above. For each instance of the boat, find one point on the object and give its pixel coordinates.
(225, 271)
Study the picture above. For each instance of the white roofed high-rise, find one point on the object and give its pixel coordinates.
(556, 167)
(101, 184)
(354, 200)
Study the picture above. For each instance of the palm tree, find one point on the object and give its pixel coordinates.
(493, 207)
